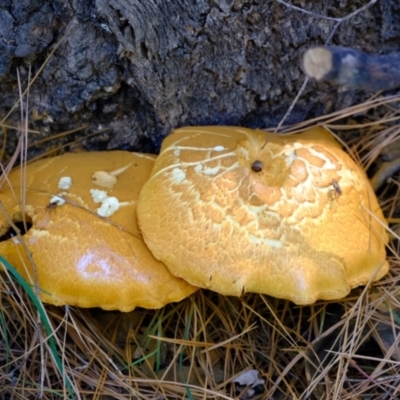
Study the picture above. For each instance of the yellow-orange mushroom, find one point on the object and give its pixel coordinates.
(85, 242)
(294, 217)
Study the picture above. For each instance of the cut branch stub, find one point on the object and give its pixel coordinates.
(352, 68)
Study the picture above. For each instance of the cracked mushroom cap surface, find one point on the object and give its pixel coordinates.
(238, 210)
(84, 238)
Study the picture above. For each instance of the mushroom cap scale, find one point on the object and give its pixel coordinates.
(81, 258)
(298, 227)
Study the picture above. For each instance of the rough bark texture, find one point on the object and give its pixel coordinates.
(143, 67)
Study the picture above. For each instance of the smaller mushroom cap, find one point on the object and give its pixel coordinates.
(238, 210)
(81, 258)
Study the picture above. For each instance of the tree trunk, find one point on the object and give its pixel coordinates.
(143, 67)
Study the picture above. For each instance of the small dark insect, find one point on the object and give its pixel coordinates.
(257, 166)
(336, 187)
(51, 205)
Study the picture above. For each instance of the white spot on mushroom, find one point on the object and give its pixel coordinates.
(98, 195)
(108, 179)
(104, 179)
(108, 207)
(273, 243)
(65, 183)
(219, 148)
(198, 168)
(178, 175)
(177, 152)
(269, 242)
(211, 171)
(58, 200)
(290, 157)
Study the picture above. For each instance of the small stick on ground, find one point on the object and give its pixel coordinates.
(352, 68)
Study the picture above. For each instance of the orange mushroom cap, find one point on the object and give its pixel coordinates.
(296, 219)
(82, 258)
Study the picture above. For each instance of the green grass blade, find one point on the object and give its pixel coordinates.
(186, 337)
(44, 318)
(3, 330)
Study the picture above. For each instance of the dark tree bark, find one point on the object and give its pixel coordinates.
(143, 67)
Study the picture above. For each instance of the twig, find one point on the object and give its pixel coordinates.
(308, 12)
(385, 171)
(338, 21)
(352, 68)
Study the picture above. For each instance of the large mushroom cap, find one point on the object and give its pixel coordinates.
(295, 219)
(86, 253)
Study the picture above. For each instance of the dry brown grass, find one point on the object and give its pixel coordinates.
(194, 349)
